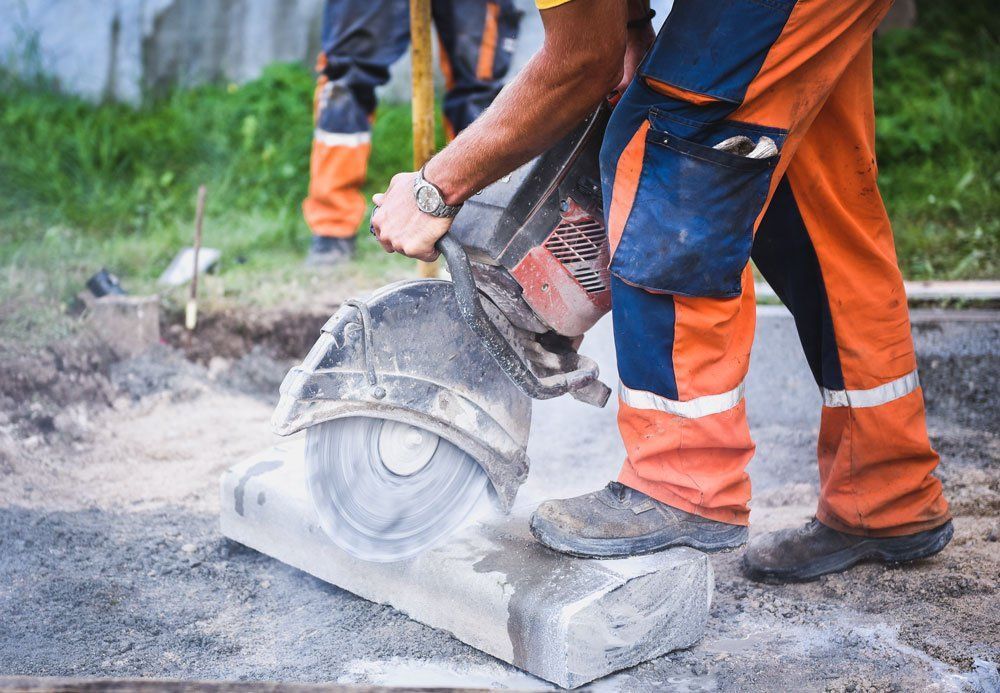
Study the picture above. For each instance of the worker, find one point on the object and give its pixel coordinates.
(361, 40)
(746, 130)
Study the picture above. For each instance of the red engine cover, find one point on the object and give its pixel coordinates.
(566, 279)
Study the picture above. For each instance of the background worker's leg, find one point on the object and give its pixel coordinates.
(681, 217)
(477, 40)
(361, 39)
(827, 248)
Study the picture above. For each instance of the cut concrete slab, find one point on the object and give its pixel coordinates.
(491, 585)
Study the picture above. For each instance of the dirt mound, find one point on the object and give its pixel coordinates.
(40, 386)
(232, 334)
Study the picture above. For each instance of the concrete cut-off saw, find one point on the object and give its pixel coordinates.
(417, 400)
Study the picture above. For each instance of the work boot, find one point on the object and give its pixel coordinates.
(326, 251)
(800, 555)
(619, 521)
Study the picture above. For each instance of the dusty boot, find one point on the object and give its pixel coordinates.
(799, 555)
(618, 521)
(326, 251)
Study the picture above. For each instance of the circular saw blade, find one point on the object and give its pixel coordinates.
(374, 513)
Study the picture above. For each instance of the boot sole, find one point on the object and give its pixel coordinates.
(552, 538)
(904, 550)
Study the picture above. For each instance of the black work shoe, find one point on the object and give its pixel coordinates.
(619, 521)
(325, 251)
(800, 555)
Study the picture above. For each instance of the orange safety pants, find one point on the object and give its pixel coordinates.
(361, 41)
(684, 216)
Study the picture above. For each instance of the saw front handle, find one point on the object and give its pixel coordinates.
(506, 356)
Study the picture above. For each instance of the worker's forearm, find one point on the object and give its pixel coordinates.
(554, 92)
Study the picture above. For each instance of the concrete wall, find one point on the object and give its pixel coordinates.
(119, 49)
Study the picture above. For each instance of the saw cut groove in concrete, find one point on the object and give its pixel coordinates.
(491, 585)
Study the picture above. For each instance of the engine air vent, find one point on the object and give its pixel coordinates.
(580, 243)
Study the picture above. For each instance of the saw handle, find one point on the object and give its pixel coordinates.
(509, 360)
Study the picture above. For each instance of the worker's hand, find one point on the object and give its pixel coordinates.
(400, 226)
(637, 43)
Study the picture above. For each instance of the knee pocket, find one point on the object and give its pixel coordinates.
(690, 227)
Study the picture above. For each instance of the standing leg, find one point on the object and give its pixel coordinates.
(361, 40)
(826, 246)
(683, 196)
(477, 41)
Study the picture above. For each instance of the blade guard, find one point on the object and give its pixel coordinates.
(407, 354)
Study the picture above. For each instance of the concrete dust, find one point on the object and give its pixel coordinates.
(111, 563)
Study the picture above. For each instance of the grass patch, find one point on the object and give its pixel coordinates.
(84, 186)
(936, 97)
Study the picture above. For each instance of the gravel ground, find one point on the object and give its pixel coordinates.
(111, 563)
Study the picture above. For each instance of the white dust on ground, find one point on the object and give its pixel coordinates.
(163, 450)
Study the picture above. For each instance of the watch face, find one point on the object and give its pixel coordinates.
(428, 199)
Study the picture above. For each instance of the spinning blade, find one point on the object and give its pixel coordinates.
(385, 490)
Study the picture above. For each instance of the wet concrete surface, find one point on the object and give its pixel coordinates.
(111, 562)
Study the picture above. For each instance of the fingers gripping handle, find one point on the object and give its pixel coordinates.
(471, 308)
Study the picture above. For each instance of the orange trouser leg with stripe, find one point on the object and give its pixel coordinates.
(684, 215)
(361, 40)
(338, 163)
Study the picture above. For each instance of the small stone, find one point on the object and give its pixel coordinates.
(217, 365)
(128, 324)
(189, 548)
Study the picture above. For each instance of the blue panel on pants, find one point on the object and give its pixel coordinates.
(363, 38)
(690, 229)
(716, 47)
(784, 253)
(644, 338)
(460, 25)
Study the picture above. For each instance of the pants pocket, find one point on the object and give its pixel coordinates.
(690, 228)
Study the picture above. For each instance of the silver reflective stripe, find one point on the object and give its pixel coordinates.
(691, 409)
(900, 387)
(341, 139)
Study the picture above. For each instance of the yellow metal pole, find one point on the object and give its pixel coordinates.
(423, 95)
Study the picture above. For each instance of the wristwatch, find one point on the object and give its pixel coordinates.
(429, 198)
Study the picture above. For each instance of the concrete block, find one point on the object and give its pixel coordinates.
(491, 585)
(128, 324)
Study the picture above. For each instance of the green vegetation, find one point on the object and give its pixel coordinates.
(84, 186)
(937, 96)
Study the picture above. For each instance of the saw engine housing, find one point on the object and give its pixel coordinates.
(528, 258)
(537, 241)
